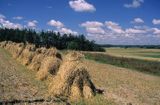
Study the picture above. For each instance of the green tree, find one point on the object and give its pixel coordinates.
(73, 45)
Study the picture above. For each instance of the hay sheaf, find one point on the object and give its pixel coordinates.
(50, 65)
(36, 62)
(51, 52)
(49, 62)
(72, 79)
(9, 45)
(17, 50)
(3, 44)
(14, 48)
(40, 54)
(37, 59)
(27, 54)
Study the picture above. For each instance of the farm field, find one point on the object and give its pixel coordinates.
(125, 85)
(139, 53)
(18, 85)
(121, 86)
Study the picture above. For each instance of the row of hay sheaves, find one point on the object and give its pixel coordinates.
(68, 74)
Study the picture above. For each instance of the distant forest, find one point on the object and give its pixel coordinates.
(132, 46)
(49, 39)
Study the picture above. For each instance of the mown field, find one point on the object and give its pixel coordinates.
(125, 86)
(122, 86)
(143, 60)
(139, 53)
(141, 65)
(131, 83)
(19, 86)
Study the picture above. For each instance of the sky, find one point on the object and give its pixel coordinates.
(124, 22)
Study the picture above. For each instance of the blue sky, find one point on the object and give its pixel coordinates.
(105, 21)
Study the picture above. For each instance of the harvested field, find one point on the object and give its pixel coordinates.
(124, 85)
(119, 86)
(69, 79)
(145, 66)
(138, 53)
(18, 85)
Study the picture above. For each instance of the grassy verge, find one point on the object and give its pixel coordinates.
(97, 100)
(151, 55)
(151, 67)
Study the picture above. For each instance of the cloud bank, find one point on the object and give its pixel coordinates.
(112, 32)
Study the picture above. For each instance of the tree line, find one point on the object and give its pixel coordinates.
(49, 39)
(132, 46)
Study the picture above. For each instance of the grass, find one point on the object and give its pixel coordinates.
(22, 70)
(123, 85)
(97, 100)
(138, 53)
(17, 79)
(151, 55)
(151, 67)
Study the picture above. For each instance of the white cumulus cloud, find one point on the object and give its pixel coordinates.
(61, 27)
(95, 30)
(135, 31)
(32, 24)
(92, 24)
(93, 27)
(114, 27)
(7, 24)
(134, 4)
(55, 23)
(67, 31)
(112, 32)
(81, 6)
(137, 20)
(156, 31)
(156, 21)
